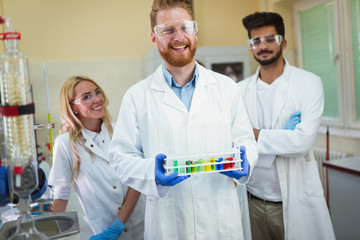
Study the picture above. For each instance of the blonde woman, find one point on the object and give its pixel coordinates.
(81, 160)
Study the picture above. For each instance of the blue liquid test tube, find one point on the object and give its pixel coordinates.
(220, 166)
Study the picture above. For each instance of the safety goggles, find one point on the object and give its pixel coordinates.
(269, 40)
(169, 29)
(88, 97)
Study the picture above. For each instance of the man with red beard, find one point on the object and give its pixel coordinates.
(285, 104)
(166, 114)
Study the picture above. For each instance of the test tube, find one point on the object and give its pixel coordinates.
(200, 161)
(229, 165)
(188, 169)
(220, 166)
(194, 169)
(175, 163)
(208, 167)
(182, 168)
(212, 166)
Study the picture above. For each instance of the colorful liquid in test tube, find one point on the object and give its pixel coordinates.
(208, 167)
(182, 169)
(212, 166)
(175, 163)
(220, 166)
(201, 169)
(188, 169)
(194, 169)
(229, 165)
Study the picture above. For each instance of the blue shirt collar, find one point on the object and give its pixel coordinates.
(171, 81)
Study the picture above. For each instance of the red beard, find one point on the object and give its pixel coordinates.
(179, 59)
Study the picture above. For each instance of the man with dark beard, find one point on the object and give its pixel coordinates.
(285, 105)
(176, 111)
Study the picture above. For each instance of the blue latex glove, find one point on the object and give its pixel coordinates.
(244, 164)
(4, 187)
(160, 176)
(293, 121)
(112, 232)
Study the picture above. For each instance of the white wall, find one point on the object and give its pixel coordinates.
(114, 76)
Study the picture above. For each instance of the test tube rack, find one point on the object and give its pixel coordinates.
(200, 164)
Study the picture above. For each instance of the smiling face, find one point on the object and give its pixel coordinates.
(267, 53)
(88, 111)
(178, 50)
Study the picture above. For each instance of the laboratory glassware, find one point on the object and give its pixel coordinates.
(17, 112)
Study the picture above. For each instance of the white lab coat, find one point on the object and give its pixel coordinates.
(201, 207)
(306, 215)
(99, 190)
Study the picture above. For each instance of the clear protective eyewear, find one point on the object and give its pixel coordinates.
(255, 43)
(169, 29)
(88, 97)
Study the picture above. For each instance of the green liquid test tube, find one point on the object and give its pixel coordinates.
(182, 168)
(175, 163)
(194, 169)
(200, 168)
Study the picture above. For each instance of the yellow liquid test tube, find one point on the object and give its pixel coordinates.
(212, 160)
(200, 168)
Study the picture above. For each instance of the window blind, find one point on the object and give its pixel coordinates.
(318, 51)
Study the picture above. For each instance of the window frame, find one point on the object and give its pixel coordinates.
(344, 62)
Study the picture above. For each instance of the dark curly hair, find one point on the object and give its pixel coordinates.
(260, 19)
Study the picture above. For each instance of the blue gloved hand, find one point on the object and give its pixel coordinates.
(293, 121)
(237, 174)
(4, 187)
(112, 232)
(160, 176)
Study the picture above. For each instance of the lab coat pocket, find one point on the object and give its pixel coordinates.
(311, 179)
(161, 219)
(230, 226)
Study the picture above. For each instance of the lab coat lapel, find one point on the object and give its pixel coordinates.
(93, 147)
(280, 97)
(251, 100)
(169, 97)
(200, 93)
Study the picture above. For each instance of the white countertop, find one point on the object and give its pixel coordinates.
(347, 164)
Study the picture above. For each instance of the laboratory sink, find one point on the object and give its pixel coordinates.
(54, 226)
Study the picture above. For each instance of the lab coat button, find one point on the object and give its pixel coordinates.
(91, 145)
(114, 187)
(107, 162)
(119, 208)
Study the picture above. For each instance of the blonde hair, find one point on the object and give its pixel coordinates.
(159, 5)
(70, 123)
